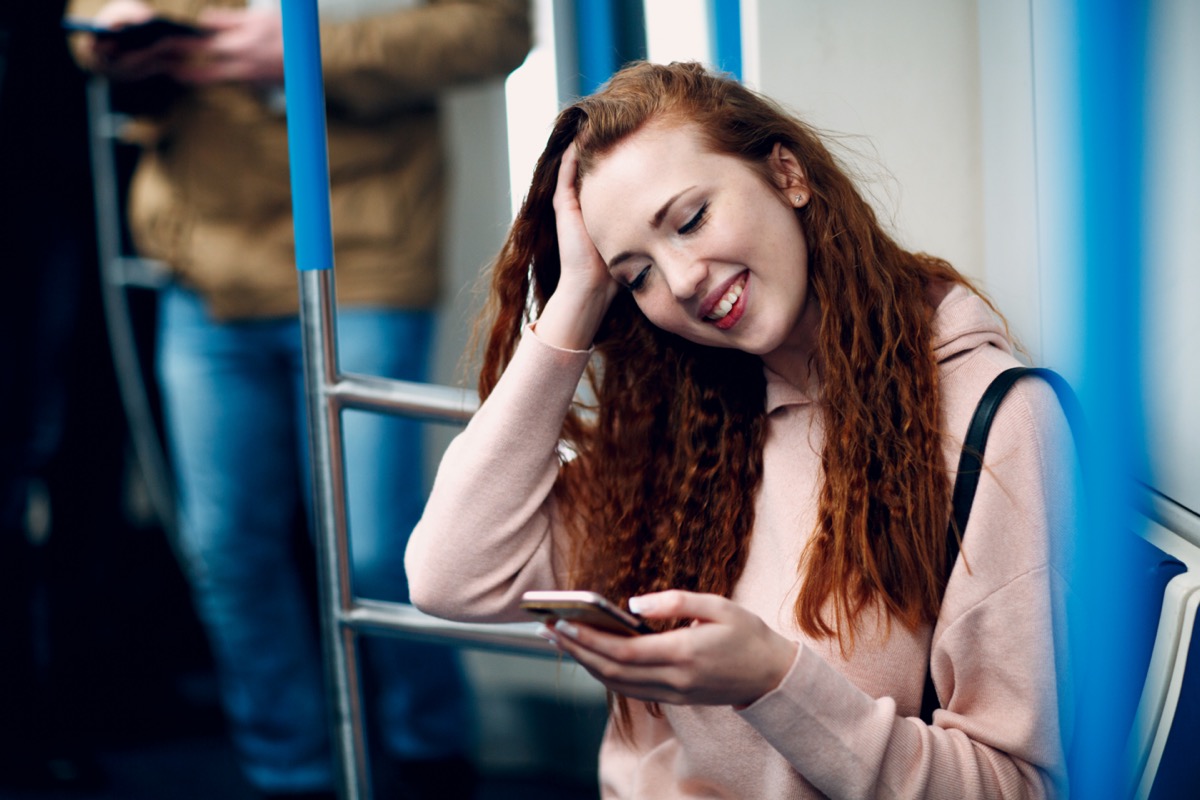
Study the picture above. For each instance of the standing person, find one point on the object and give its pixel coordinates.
(779, 394)
(210, 198)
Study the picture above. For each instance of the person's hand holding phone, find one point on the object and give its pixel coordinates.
(243, 46)
(727, 656)
(112, 55)
(127, 41)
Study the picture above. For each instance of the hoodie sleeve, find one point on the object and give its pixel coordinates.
(384, 63)
(489, 530)
(994, 656)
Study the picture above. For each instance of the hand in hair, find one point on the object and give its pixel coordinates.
(585, 289)
(727, 656)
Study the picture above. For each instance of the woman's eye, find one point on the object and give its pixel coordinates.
(638, 281)
(695, 222)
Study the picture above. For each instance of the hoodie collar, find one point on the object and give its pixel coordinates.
(962, 322)
(781, 392)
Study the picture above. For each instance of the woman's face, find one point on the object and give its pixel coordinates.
(710, 250)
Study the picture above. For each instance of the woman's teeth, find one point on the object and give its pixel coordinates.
(725, 305)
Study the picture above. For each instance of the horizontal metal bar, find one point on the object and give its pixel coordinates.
(402, 619)
(419, 400)
(112, 125)
(140, 273)
(1179, 519)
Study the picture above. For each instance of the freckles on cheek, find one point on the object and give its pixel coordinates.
(645, 305)
(661, 315)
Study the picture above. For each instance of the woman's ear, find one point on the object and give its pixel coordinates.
(788, 175)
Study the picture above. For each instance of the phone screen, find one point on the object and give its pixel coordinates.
(137, 35)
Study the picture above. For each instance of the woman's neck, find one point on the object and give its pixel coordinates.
(794, 360)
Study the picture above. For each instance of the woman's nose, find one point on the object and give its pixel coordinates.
(684, 276)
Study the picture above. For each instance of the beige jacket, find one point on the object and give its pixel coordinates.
(840, 724)
(211, 195)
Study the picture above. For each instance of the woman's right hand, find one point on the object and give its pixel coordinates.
(585, 289)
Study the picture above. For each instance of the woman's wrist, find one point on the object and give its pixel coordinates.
(785, 651)
(572, 316)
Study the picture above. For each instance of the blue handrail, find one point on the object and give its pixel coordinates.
(308, 149)
(725, 26)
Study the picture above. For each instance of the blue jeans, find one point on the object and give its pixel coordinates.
(233, 398)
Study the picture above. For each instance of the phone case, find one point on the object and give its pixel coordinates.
(588, 608)
(136, 36)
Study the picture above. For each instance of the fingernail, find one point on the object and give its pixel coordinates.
(640, 605)
(566, 628)
(546, 633)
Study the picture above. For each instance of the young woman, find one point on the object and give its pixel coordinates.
(779, 393)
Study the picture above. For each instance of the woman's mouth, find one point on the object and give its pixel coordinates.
(728, 301)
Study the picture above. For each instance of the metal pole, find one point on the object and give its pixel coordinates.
(309, 159)
(115, 270)
(318, 326)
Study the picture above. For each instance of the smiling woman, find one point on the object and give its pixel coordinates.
(724, 238)
(764, 475)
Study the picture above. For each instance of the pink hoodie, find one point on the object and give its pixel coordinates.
(840, 725)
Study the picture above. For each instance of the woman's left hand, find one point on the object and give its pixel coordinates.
(727, 656)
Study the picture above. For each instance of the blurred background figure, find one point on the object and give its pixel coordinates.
(210, 199)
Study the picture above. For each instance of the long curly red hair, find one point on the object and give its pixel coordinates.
(669, 449)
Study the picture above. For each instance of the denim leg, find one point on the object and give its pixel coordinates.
(418, 691)
(229, 408)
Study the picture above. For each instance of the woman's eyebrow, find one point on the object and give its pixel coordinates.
(655, 222)
(662, 212)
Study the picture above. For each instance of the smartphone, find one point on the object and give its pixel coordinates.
(137, 35)
(588, 608)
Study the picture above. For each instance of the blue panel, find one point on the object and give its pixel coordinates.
(307, 147)
(597, 43)
(1110, 605)
(609, 33)
(725, 24)
(1151, 570)
(1178, 776)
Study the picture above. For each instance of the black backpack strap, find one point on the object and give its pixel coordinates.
(970, 466)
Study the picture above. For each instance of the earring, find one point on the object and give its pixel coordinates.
(797, 199)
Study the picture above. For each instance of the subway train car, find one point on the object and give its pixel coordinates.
(975, 128)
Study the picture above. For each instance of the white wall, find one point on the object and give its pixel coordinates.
(1007, 154)
(902, 80)
(479, 215)
(1172, 264)
(1030, 184)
